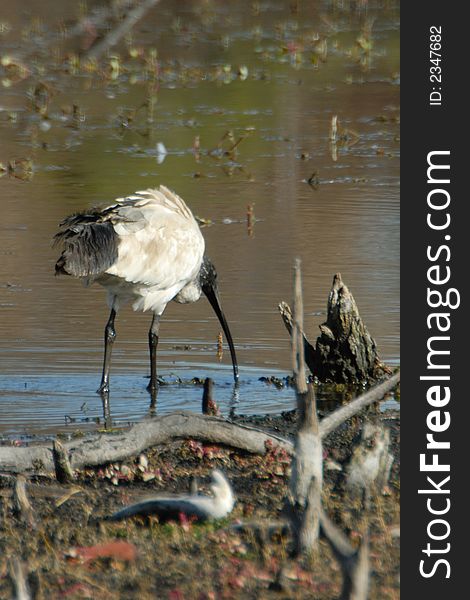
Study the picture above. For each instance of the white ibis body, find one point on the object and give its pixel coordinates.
(217, 506)
(146, 249)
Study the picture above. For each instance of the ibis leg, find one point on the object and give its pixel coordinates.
(109, 337)
(153, 343)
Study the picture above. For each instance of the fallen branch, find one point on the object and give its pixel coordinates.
(336, 418)
(114, 447)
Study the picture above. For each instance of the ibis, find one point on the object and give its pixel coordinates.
(198, 506)
(146, 249)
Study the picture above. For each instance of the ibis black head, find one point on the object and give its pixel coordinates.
(208, 283)
(207, 275)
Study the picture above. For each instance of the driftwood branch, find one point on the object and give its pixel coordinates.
(114, 447)
(193, 505)
(117, 33)
(336, 418)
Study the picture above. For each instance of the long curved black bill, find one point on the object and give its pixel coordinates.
(213, 297)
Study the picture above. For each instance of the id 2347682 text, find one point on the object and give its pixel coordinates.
(435, 69)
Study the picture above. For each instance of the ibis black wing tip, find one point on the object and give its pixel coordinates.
(60, 266)
(89, 249)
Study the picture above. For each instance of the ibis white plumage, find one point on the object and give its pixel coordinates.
(217, 506)
(146, 249)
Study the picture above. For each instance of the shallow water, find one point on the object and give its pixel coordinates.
(51, 328)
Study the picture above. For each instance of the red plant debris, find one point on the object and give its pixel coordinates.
(119, 550)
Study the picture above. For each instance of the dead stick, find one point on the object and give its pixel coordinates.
(309, 350)
(63, 470)
(307, 466)
(339, 542)
(209, 406)
(335, 419)
(354, 562)
(22, 504)
(160, 430)
(298, 358)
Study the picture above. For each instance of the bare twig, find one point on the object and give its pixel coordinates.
(332, 421)
(307, 467)
(339, 542)
(309, 350)
(354, 563)
(298, 358)
(22, 504)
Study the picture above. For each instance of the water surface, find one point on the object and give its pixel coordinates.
(251, 69)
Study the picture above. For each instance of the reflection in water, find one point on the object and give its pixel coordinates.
(235, 399)
(43, 403)
(271, 84)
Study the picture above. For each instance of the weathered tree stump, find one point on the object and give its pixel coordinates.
(345, 352)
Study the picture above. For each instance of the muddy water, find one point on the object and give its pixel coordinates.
(255, 70)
